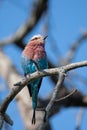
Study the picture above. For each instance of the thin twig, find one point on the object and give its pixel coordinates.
(63, 98)
(1, 121)
(47, 72)
(25, 28)
(52, 100)
(74, 47)
(55, 92)
(79, 118)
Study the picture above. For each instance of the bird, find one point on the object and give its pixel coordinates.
(34, 52)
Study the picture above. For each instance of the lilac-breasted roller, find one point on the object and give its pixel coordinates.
(34, 51)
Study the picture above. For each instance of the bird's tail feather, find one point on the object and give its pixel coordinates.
(33, 117)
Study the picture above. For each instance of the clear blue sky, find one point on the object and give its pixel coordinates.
(66, 20)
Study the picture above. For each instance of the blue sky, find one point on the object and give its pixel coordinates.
(66, 20)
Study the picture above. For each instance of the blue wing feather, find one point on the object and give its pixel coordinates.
(34, 86)
(29, 66)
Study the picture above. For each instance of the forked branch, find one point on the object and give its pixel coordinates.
(61, 71)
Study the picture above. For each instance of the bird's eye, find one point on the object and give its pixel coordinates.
(34, 38)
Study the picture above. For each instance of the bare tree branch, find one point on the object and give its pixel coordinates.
(39, 8)
(15, 90)
(74, 47)
(52, 100)
(79, 119)
(67, 96)
(1, 121)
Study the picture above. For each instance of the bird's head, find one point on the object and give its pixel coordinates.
(38, 38)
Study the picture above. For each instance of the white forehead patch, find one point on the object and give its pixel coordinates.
(36, 36)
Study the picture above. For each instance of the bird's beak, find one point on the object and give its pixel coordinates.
(45, 37)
